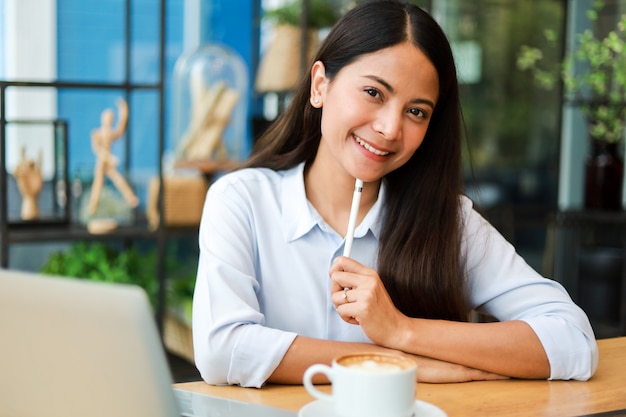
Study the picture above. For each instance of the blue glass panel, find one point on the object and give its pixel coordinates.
(91, 40)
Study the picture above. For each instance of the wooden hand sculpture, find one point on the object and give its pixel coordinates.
(29, 183)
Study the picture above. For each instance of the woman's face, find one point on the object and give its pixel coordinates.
(375, 111)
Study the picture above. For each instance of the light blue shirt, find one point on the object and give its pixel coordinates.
(263, 279)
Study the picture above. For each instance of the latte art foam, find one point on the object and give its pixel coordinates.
(376, 363)
(374, 366)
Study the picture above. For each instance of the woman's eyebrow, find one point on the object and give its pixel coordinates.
(389, 88)
(381, 81)
(424, 101)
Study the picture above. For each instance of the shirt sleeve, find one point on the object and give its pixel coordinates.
(231, 343)
(504, 286)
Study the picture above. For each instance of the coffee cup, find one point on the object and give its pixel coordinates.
(367, 384)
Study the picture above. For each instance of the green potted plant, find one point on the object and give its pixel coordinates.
(279, 69)
(321, 13)
(594, 78)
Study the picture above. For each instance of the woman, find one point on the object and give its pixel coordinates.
(274, 293)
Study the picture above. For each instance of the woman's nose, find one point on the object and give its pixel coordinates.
(388, 123)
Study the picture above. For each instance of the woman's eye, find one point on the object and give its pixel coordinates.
(418, 113)
(373, 92)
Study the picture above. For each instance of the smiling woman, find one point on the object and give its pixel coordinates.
(274, 295)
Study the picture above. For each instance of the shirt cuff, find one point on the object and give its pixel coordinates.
(256, 354)
(572, 352)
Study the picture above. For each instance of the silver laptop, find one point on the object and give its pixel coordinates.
(72, 347)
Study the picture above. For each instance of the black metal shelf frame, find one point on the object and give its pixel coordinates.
(10, 234)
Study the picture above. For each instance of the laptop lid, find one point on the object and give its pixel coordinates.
(79, 348)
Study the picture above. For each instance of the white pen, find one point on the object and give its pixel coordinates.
(354, 212)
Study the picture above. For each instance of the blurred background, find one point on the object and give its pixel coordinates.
(224, 69)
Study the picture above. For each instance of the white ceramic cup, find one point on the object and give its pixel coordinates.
(367, 385)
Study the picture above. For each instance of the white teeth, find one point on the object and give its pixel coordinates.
(369, 148)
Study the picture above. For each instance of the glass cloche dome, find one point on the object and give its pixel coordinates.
(210, 106)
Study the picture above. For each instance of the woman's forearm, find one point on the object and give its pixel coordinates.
(508, 348)
(306, 351)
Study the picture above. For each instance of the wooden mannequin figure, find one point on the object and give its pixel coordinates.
(101, 141)
(29, 183)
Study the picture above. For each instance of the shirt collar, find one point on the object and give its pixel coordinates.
(299, 216)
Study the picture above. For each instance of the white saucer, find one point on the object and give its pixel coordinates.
(320, 408)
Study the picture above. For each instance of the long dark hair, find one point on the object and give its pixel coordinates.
(419, 257)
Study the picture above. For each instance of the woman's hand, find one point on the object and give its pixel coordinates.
(361, 298)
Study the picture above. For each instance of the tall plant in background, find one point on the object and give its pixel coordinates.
(594, 78)
(593, 75)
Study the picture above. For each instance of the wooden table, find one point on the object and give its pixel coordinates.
(606, 391)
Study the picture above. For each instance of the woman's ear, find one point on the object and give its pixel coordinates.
(318, 84)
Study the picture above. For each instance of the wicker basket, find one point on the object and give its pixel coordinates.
(279, 69)
(183, 201)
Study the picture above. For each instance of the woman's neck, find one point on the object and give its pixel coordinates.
(331, 195)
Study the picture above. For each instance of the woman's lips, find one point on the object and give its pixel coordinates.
(369, 147)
